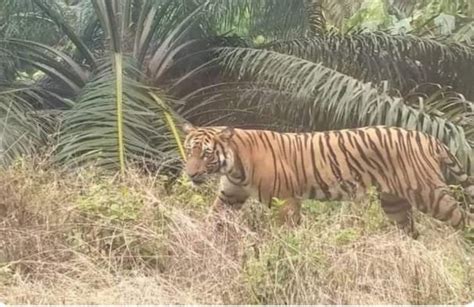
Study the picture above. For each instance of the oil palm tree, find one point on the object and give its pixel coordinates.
(99, 90)
(97, 84)
(116, 66)
(327, 78)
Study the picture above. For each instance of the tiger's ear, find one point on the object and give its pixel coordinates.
(188, 128)
(226, 134)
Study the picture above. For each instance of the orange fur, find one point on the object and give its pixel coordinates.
(405, 166)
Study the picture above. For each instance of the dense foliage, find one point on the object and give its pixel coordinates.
(109, 82)
(96, 80)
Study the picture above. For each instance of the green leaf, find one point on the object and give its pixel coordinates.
(333, 99)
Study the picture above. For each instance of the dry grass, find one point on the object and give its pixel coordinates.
(84, 238)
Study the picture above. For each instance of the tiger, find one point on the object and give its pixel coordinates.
(407, 168)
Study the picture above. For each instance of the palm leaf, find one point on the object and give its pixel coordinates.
(23, 130)
(402, 60)
(323, 98)
(441, 101)
(67, 29)
(168, 114)
(155, 21)
(90, 129)
(316, 20)
(22, 19)
(269, 18)
(464, 33)
(338, 11)
(54, 63)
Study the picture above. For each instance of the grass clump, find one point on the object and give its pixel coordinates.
(83, 237)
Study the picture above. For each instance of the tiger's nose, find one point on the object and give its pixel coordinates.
(193, 175)
(196, 177)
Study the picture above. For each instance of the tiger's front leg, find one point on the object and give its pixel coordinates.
(229, 196)
(228, 200)
(225, 200)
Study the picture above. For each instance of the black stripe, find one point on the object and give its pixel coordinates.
(321, 146)
(243, 140)
(333, 160)
(262, 140)
(390, 138)
(402, 164)
(349, 137)
(275, 170)
(362, 154)
(317, 176)
(419, 170)
(355, 173)
(281, 143)
(380, 157)
(407, 159)
(297, 171)
(384, 144)
(283, 170)
(423, 154)
(303, 170)
(362, 135)
(253, 138)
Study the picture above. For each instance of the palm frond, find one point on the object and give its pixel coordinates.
(90, 130)
(402, 8)
(148, 22)
(23, 129)
(441, 101)
(270, 18)
(22, 20)
(52, 62)
(338, 11)
(464, 33)
(108, 13)
(402, 60)
(323, 98)
(241, 104)
(316, 20)
(67, 29)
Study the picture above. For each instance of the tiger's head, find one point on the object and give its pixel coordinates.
(207, 151)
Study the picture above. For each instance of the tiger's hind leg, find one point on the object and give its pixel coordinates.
(400, 211)
(447, 209)
(290, 213)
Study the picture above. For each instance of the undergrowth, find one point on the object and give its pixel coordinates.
(82, 237)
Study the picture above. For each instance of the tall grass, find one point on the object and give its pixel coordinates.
(85, 238)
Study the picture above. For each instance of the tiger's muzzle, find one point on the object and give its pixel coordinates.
(196, 170)
(197, 178)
